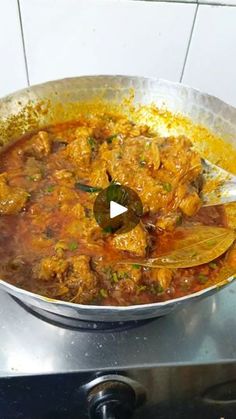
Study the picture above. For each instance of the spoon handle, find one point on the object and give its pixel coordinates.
(219, 185)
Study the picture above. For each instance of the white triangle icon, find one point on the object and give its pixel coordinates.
(116, 209)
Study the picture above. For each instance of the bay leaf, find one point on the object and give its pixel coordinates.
(197, 245)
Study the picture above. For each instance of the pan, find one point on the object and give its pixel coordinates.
(54, 102)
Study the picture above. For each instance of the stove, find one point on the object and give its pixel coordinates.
(170, 367)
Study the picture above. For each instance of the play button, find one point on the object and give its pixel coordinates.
(117, 209)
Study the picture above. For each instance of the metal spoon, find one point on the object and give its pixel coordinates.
(219, 185)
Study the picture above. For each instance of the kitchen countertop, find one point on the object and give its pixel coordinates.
(202, 332)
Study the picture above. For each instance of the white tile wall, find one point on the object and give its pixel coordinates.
(12, 66)
(75, 37)
(211, 63)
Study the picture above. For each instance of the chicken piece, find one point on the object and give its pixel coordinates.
(52, 268)
(158, 186)
(169, 221)
(78, 211)
(62, 174)
(81, 268)
(85, 132)
(124, 157)
(79, 150)
(65, 194)
(121, 280)
(128, 128)
(85, 229)
(82, 280)
(82, 226)
(99, 177)
(151, 154)
(180, 192)
(38, 243)
(39, 146)
(12, 199)
(190, 204)
(64, 177)
(138, 130)
(126, 271)
(75, 228)
(140, 151)
(33, 169)
(135, 241)
(164, 277)
(114, 273)
(179, 158)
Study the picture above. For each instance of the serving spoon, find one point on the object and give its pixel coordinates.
(219, 185)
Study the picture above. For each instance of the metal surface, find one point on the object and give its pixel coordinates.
(201, 108)
(201, 333)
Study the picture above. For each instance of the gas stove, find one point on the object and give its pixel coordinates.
(170, 367)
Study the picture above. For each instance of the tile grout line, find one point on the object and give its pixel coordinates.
(23, 43)
(199, 2)
(189, 43)
(211, 3)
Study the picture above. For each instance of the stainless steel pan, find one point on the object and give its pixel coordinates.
(38, 106)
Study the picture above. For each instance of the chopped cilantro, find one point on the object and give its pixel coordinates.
(92, 143)
(87, 188)
(157, 289)
(123, 275)
(103, 293)
(136, 266)
(110, 138)
(141, 288)
(72, 246)
(33, 178)
(202, 278)
(179, 220)
(49, 189)
(213, 265)
(115, 277)
(167, 186)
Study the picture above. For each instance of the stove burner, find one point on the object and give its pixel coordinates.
(80, 325)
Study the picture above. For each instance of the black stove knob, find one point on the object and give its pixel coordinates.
(112, 400)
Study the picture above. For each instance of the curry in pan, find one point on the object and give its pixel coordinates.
(50, 243)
